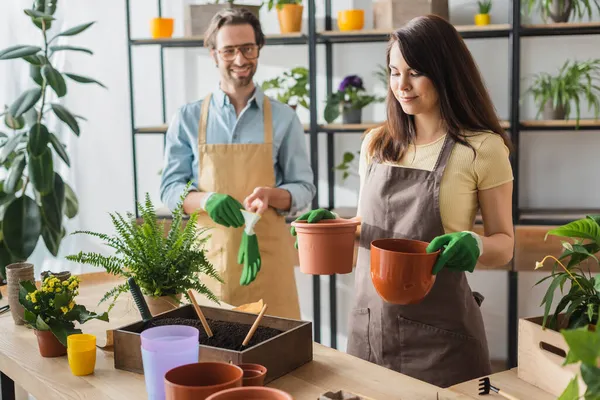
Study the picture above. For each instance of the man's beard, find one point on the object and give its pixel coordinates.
(243, 81)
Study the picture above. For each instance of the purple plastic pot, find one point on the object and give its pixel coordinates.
(164, 348)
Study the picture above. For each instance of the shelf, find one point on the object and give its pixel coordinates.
(561, 29)
(198, 41)
(557, 125)
(553, 216)
(152, 130)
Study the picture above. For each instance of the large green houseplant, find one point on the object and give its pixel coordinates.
(582, 302)
(164, 264)
(562, 10)
(34, 197)
(558, 95)
(290, 88)
(584, 347)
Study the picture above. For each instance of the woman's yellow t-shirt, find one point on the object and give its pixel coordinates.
(464, 176)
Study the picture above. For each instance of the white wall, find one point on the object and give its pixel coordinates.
(102, 157)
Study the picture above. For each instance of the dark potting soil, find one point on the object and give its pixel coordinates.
(226, 335)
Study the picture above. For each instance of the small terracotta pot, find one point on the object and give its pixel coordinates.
(251, 393)
(199, 380)
(254, 374)
(326, 247)
(15, 274)
(401, 270)
(158, 305)
(351, 20)
(49, 344)
(290, 18)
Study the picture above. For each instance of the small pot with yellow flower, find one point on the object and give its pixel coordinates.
(52, 312)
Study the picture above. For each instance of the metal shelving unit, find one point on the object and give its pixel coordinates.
(513, 31)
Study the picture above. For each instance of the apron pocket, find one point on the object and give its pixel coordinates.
(439, 356)
(358, 338)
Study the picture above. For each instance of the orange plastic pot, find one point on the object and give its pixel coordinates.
(401, 270)
(326, 247)
(251, 393)
(254, 374)
(161, 27)
(49, 345)
(199, 380)
(290, 18)
(351, 20)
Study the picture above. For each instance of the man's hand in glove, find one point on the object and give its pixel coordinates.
(313, 216)
(459, 251)
(249, 256)
(224, 210)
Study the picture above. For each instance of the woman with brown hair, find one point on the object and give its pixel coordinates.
(439, 158)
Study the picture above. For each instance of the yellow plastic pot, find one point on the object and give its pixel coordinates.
(290, 18)
(161, 27)
(482, 19)
(351, 20)
(81, 353)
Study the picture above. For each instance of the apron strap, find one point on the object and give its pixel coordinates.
(268, 117)
(203, 119)
(444, 154)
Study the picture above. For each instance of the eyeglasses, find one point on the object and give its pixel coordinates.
(249, 51)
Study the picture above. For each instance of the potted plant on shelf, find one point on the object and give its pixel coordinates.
(52, 311)
(483, 18)
(289, 14)
(164, 264)
(562, 10)
(555, 95)
(291, 87)
(33, 195)
(350, 98)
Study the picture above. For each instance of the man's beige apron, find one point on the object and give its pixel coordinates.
(236, 170)
(442, 339)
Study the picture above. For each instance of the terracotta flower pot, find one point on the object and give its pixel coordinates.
(199, 380)
(158, 305)
(49, 344)
(351, 20)
(401, 270)
(254, 374)
(326, 247)
(290, 18)
(15, 274)
(251, 393)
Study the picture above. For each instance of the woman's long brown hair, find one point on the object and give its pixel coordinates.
(432, 46)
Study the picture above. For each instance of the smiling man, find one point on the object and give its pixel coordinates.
(241, 149)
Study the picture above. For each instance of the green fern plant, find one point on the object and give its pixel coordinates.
(162, 265)
(485, 6)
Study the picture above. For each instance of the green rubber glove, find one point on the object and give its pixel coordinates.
(460, 251)
(224, 210)
(249, 256)
(311, 217)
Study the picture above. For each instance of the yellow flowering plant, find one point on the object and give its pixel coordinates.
(52, 307)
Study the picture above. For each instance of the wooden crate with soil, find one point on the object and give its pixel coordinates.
(280, 344)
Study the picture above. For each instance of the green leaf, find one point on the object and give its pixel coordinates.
(71, 48)
(14, 123)
(14, 174)
(332, 111)
(571, 392)
(65, 115)
(41, 171)
(348, 157)
(18, 51)
(35, 72)
(31, 117)
(40, 16)
(52, 239)
(46, 6)
(10, 146)
(5, 259)
(55, 80)
(584, 344)
(84, 79)
(29, 317)
(71, 202)
(583, 229)
(25, 101)
(40, 325)
(53, 203)
(59, 148)
(591, 376)
(38, 139)
(36, 59)
(60, 331)
(74, 31)
(22, 226)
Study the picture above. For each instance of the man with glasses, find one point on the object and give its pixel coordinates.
(241, 150)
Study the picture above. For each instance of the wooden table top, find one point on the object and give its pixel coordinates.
(51, 378)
